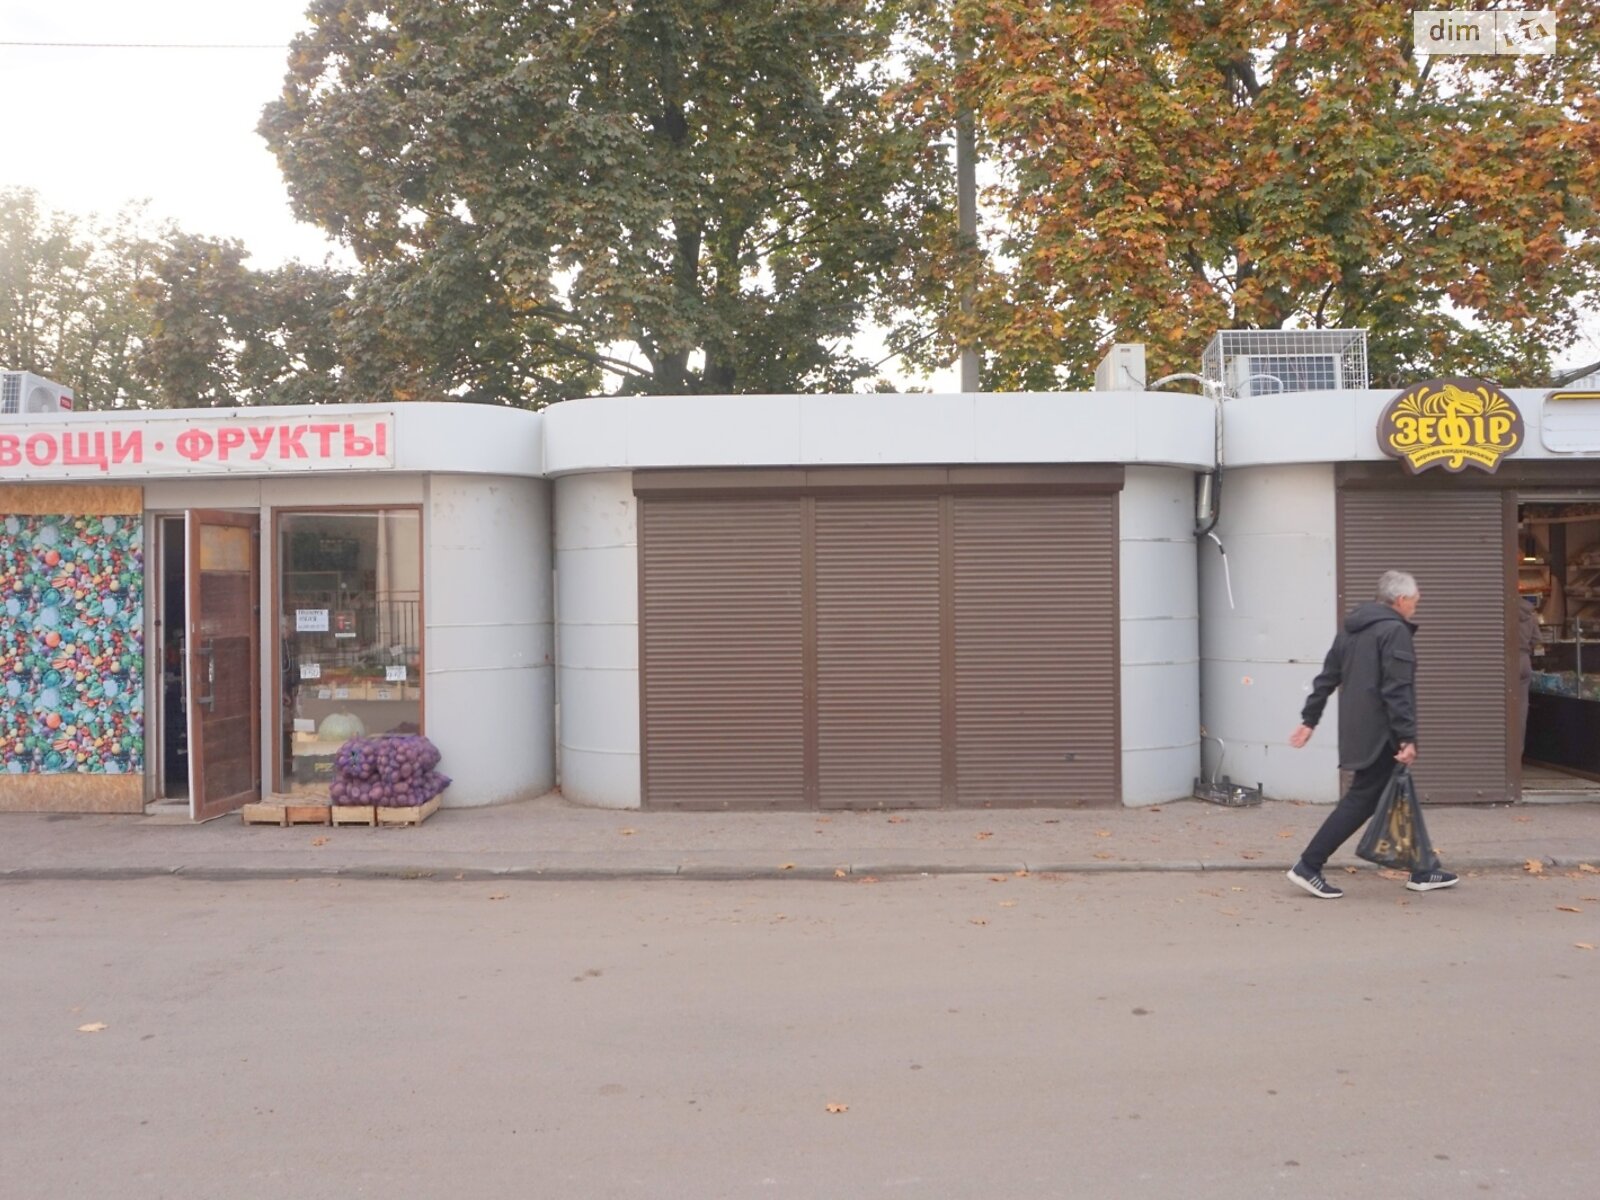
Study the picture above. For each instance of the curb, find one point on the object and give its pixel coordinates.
(717, 873)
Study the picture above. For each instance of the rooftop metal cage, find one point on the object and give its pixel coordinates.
(1268, 362)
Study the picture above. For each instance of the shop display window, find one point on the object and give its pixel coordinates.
(350, 635)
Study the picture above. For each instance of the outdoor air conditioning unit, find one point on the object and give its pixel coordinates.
(1122, 369)
(1241, 363)
(1272, 374)
(23, 393)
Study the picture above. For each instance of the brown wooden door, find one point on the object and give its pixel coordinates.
(224, 691)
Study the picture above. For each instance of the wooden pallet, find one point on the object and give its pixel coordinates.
(379, 814)
(271, 813)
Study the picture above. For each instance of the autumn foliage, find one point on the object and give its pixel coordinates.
(1164, 169)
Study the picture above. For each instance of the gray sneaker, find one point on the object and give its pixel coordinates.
(1431, 881)
(1313, 882)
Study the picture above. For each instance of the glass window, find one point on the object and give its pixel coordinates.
(350, 629)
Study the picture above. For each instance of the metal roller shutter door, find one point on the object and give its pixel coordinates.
(721, 653)
(1036, 637)
(880, 737)
(1454, 542)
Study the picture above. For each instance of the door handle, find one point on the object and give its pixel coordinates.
(209, 700)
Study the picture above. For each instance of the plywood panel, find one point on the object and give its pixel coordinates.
(69, 499)
(72, 792)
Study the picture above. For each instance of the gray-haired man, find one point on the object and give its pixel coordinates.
(1374, 667)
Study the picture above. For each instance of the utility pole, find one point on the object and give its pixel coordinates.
(966, 206)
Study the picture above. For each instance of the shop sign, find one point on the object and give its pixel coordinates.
(1570, 420)
(1452, 423)
(251, 444)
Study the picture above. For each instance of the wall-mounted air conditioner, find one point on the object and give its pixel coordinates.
(23, 393)
(1274, 374)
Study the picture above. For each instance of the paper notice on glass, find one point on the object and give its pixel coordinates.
(310, 670)
(311, 620)
(394, 674)
(324, 693)
(341, 693)
(304, 725)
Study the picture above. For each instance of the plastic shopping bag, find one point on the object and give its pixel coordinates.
(1396, 836)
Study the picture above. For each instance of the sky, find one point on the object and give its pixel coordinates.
(95, 129)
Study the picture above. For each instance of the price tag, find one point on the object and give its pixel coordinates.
(394, 674)
(310, 670)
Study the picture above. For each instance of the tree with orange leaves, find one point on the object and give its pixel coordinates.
(1167, 168)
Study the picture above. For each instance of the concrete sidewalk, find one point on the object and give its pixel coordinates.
(549, 838)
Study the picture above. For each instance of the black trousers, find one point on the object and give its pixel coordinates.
(1353, 811)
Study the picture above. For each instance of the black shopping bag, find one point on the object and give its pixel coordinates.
(1396, 835)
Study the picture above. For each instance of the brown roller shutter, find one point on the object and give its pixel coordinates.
(1456, 544)
(722, 656)
(879, 734)
(1036, 636)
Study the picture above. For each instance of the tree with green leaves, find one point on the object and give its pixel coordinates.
(1164, 169)
(553, 199)
(133, 318)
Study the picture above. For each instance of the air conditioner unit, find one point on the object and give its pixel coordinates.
(1273, 374)
(23, 393)
(1122, 369)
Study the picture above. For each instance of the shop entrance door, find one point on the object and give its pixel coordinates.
(223, 664)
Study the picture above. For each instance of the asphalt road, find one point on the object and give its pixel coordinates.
(1159, 1035)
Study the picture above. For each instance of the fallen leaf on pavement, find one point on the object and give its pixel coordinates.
(1589, 868)
(1008, 904)
(1102, 833)
(839, 872)
(1395, 875)
(977, 920)
(319, 841)
(1103, 854)
(1229, 912)
(824, 820)
(1249, 854)
(1567, 908)
(786, 867)
(94, 1027)
(1285, 833)
(1022, 874)
(1522, 817)
(838, 1108)
(985, 834)
(1533, 867)
(1236, 889)
(500, 896)
(868, 879)
(1350, 870)
(627, 832)
(897, 820)
(1584, 945)
(998, 878)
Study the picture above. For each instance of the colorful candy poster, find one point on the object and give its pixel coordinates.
(71, 644)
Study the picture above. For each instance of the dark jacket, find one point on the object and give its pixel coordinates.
(1374, 666)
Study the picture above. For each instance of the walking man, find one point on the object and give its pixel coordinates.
(1373, 666)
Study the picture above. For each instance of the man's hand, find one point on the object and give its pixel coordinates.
(1300, 736)
(1407, 755)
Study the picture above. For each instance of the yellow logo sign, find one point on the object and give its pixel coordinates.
(1451, 423)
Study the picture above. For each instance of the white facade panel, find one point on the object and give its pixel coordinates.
(887, 429)
(1261, 652)
(1058, 427)
(1159, 634)
(601, 779)
(597, 580)
(712, 431)
(598, 586)
(595, 511)
(490, 688)
(1173, 427)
